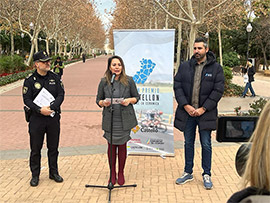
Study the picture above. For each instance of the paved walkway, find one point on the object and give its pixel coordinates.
(83, 152)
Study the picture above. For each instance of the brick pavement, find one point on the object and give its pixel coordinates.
(154, 176)
(83, 154)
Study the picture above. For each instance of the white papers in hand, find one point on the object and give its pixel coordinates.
(44, 98)
(115, 100)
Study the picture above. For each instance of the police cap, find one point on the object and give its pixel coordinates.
(41, 56)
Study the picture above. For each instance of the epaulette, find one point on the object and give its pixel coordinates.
(53, 72)
(30, 74)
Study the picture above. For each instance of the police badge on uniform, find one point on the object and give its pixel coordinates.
(37, 85)
(52, 82)
(25, 89)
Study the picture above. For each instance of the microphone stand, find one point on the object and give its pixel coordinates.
(110, 186)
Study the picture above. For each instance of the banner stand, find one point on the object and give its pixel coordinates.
(149, 58)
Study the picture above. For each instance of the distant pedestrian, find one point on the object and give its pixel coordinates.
(43, 119)
(198, 87)
(249, 71)
(83, 57)
(58, 66)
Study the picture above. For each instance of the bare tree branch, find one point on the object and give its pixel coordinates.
(213, 8)
(183, 10)
(173, 16)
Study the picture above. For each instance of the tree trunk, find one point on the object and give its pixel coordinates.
(33, 46)
(178, 57)
(150, 19)
(59, 48)
(156, 24)
(264, 55)
(31, 53)
(11, 40)
(193, 25)
(192, 36)
(47, 46)
(65, 49)
(220, 43)
(55, 47)
(167, 18)
(72, 51)
(36, 44)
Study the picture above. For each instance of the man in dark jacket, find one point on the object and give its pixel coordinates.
(45, 117)
(198, 86)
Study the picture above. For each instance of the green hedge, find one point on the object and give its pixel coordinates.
(231, 89)
(11, 64)
(14, 77)
(228, 75)
(230, 59)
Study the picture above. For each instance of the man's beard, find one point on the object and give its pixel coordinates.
(199, 56)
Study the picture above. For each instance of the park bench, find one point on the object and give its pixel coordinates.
(267, 72)
(237, 70)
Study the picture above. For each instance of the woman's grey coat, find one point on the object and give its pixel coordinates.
(129, 120)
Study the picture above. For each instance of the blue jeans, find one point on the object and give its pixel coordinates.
(249, 86)
(205, 139)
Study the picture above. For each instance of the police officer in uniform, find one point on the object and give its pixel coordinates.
(46, 119)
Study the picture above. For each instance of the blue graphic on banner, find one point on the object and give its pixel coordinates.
(147, 67)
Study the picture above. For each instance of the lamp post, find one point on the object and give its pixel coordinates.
(22, 36)
(249, 29)
(206, 35)
(31, 26)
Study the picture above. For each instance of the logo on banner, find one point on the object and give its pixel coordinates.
(135, 141)
(155, 141)
(135, 129)
(147, 67)
(135, 147)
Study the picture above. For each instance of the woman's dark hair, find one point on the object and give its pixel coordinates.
(108, 74)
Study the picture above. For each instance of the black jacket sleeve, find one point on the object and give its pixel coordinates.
(178, 89)
(100, 93)
(55, 105)
(27, 96)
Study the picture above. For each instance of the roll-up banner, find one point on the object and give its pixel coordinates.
(149, 58)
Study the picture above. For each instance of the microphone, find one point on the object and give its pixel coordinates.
(113, 77)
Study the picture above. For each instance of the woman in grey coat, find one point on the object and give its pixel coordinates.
(124, 118)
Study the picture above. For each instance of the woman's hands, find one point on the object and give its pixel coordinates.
(128, 101)
(125, 102)
(104, 103)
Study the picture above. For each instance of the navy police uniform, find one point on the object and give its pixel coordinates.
(39, 125)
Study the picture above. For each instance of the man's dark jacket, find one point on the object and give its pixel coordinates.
(211, 91)
(251, 72)
(33, 85)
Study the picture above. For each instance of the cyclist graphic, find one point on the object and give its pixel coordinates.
(153, 120)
